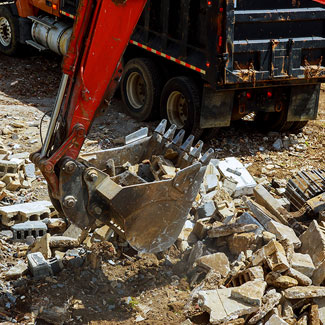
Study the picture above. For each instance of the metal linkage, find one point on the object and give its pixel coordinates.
(304, 186)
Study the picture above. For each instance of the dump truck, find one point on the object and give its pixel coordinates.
(200, 64)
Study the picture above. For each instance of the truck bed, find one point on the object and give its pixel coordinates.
(238, 42)
(272, 40)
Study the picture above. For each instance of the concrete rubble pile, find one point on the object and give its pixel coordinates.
(248, 259)
(16, 171)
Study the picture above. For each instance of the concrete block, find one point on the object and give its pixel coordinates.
(29, 228)
(12, 182)
(10, 167)
(231, 167)
(303, 263)
(38, 265)
(283, 232)
(273, 254)
(251, 274)
(32, 211)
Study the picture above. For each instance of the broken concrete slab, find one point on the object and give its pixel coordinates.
(274, 255)
(250, 292)
(262, 215)
(102, 233)
(280, 281)
(63, 242)
(302, 279)
(16, 271)
(303, 263)
(269, 301)
(308, 239)
(76, 232)
(221, 307)
(247, 218)
(218, 262)
(238, 243)
(283, 232)
(42, 245)
(265, 199)
(300, 292)
(232, 167)
(226, 230)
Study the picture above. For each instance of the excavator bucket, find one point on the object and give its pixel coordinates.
(144, 190)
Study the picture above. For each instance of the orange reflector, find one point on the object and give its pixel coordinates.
(54, 6)
(208, 64)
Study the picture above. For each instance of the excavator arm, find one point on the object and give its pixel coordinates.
(148, 214)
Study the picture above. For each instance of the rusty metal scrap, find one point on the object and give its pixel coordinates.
(305, 186)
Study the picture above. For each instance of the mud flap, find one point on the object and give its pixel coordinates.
(216, 108)
(303, 103)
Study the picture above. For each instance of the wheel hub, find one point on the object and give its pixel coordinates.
(177, 109)
(136, 90)
(5, 32)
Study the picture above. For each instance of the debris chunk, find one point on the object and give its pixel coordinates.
(300, 292)
(218, 262)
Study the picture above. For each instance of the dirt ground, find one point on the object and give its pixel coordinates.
(126, 286)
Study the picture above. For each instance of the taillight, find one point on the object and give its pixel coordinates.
(248, 95)
(269, 94)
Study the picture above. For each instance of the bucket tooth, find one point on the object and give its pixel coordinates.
(169, 135)
(178, 140)
(196, 151)
(186, 146)
(161, 127)
(205, 159)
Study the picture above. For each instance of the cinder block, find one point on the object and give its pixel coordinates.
(29, 228)
(10, 166)
(12, 181)
(38, 265)
(33, 211)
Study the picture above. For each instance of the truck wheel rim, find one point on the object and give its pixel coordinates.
(177, 109)
(136, 90)
(5, 32)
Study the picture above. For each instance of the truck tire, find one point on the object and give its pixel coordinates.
(141, 88)
(180, 104)
(273, 121)
(9, 32)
